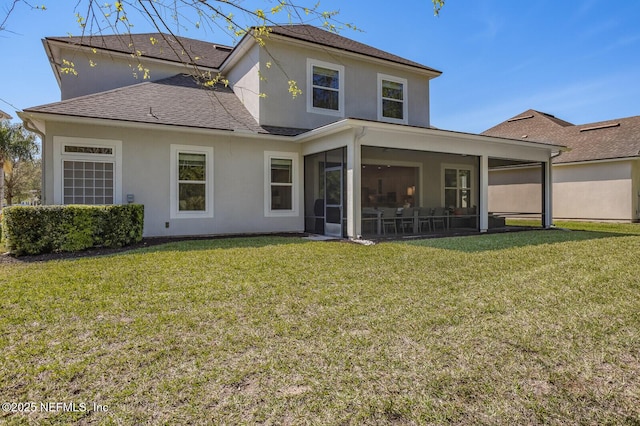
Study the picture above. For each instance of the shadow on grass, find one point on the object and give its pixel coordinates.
(502, 241)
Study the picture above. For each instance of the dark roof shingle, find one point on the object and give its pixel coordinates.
(178, 101)
(605, 140)
(203, 53)
(330, 39)
(157, 46)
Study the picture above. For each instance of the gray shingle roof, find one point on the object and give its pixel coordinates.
(605, 140)
(203, 53)
(163, 46)
(178, 101)
(330, 39)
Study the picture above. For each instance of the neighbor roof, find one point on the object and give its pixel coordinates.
(604, 140)
(156, 45)
(177, 101)
(4, 115)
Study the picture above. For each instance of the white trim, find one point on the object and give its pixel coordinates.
(268, 156)
(341, 91)
(173, 185)
(405, 100)
(38, 120)
(59, 156)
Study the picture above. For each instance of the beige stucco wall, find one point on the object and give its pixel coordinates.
(590, 191)
(515, 191)
(239, 192)
(244, 78)
(289, 62)
(635, 189)
(109, 72)
(601, 190)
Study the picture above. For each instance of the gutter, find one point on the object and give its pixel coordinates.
(355, 122)
(40, 116)
(329, 129)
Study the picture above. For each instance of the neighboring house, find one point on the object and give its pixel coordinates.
(598, 178)
(252, 158)
(4, 115)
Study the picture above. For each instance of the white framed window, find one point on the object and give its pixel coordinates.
(191, 188)
(459, 184)
(87, 171)
(325, 88)
(87, 182)
(392, 99)
(281, 184)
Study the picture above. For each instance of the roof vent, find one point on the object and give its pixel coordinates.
(604, 126)
(519, 118)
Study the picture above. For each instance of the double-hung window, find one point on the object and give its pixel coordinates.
(325, 88)
(457, 187)
(392, 99)
(191, 181)
(281, 183)
(87, 171)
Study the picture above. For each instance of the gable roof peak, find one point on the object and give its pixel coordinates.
(331, 39)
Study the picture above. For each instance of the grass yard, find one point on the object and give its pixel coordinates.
(537, 327)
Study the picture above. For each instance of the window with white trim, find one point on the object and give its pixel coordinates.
(458, 187)
(87, 182)
(191, 181)
(325, 88)
(392, 99)
(86, 171)
(281, 183)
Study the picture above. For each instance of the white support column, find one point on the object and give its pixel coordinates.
(484, 193)
(353, 188)
(548, 194)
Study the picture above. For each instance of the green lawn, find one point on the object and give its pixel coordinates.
(537, 327)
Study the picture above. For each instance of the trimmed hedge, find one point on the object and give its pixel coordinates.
(45, 229)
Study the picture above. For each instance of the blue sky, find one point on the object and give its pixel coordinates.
(578, 60)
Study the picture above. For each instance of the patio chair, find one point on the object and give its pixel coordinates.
(424, 219)
(369, 220)
(439, 216)
(407, 219)
(389, 220)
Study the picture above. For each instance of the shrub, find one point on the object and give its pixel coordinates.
(44, 229)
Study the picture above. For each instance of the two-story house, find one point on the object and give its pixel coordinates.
(345, 151)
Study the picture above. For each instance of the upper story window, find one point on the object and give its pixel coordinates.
(325, 88)
(392, 99)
